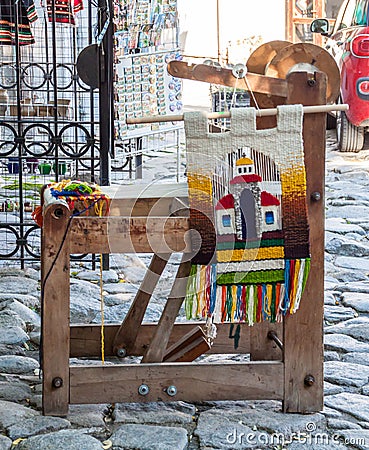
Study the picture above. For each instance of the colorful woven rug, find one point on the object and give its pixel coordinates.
(248, 215)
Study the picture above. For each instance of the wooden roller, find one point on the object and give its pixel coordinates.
(261, 56)
(305, 57)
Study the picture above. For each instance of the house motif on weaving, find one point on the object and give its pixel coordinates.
(249, 230)
(248, 211)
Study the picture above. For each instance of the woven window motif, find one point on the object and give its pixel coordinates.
(248, 215)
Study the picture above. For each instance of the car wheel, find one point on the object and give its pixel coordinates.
(331, 122)
(350, 138)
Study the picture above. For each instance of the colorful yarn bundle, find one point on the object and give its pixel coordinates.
(255, 235)
(81, 197)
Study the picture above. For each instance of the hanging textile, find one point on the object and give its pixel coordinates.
(250, 238)
(26, 15)
(65, 10)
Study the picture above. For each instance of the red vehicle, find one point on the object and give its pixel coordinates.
(348, 42)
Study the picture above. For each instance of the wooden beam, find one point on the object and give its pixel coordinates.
(194, 382)
(155, 351)
(303, 331)
(129, 235)
(55, 288)
(144, 207)
(290, 10)
(86, 340)
(128, 331)
(225, 77)
(155, 199)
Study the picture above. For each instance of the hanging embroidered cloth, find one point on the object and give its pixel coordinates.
(248, 216)
(8, 30)
(65, 10)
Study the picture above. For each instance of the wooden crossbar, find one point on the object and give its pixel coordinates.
(129, 234)
(85, 340)
(194, 382)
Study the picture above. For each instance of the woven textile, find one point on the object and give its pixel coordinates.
(65, 10)
(248, 215)
(12, 29)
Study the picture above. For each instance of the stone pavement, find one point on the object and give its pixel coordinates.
(344, 422)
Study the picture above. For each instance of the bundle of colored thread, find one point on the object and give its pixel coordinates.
(80, 196)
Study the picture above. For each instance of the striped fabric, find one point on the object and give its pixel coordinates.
(65, 10)
(9, 31)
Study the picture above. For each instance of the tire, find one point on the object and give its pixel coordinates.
(331, 122)
(349, 137)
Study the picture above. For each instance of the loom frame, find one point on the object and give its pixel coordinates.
(294, 375)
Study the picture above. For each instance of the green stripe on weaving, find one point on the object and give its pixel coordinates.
(261, 276)
(254, 244)
(271, 242)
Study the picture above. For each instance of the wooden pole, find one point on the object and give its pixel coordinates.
(227, 114)
(303, 331)
(55, 310)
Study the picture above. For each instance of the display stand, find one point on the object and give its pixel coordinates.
(286, 358)
(145, 40)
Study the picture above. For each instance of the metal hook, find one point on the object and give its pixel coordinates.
(239, 71)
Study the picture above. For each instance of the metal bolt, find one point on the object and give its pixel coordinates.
(143, 389)
(57, 382)
(311, 82)
(58, 213)
(171, 391)
(121, 352)
(316, 196)
(309, 380)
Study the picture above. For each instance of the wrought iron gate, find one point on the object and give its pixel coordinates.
(49, 118)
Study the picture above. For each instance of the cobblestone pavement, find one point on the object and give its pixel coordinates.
(344, 422)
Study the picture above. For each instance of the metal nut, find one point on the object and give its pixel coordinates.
(316, 196)
(143, 389)
(57, 382)
(309, 380)
(171, 391)
(121, 352)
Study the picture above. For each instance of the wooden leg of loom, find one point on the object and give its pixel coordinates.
(127, 334)
(55, 311)
(303, 331)
(158, 345)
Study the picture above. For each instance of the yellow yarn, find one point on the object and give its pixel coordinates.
(250, 254)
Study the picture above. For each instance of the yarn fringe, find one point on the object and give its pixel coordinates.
(248, 303)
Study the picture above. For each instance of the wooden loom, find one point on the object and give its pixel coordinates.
(286, 359)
